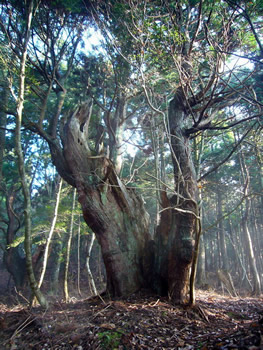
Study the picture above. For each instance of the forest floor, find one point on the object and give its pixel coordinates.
(137, 322)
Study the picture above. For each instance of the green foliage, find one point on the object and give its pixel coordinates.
(110, 339)
(248, 40)
(67, 5)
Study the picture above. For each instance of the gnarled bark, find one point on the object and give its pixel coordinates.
(175, 234)
(117, 216)
(114, 213)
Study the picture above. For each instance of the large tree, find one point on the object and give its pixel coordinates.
(184, 46)
(191, 40)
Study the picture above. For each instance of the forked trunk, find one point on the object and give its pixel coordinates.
(115, 214)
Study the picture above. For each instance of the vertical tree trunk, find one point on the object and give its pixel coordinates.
(21, 167)
(246, 232)
(91, 279)
(236, 247)
(50, 235)
(176, 232)
(250, 251)
(116, 128)
(201, 267)
(259, 158)
(56, 264)
(15, 264)
(67, 258)
(223, 270)
(157, 172)
(3, 120)
(198, 155)
(194, 263)
(78, 258)
(221, 233)
(256, 234)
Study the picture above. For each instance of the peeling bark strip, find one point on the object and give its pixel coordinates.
(114, 213)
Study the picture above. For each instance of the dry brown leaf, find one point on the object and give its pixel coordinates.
(108, 325)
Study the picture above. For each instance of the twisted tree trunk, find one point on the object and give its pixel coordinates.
(115, 214)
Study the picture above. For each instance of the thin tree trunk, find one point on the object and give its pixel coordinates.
(223, 271)
(245, 281)
(239, 259)
(101, 266)
(156, 149)
(221, 233)
(250, 252)
(257, 240)
(201, 266)
(259, 158)
(194, 263)
(20, 104)
(50, 235)
(198, 232)
(246, 231)
(67, 258)
(3, 120)
(56, 264)
(91, 279)
(78, 257)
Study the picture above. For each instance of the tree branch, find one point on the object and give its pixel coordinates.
(228, 156)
